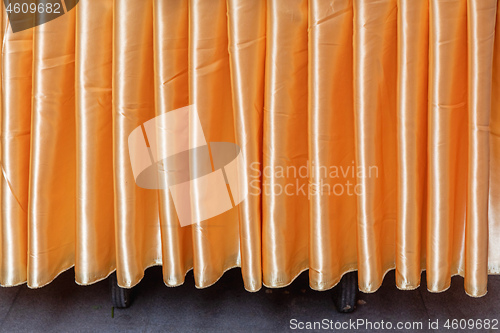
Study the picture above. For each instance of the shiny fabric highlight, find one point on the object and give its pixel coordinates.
(403, 94)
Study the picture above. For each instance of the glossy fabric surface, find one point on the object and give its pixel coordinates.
(401, 96)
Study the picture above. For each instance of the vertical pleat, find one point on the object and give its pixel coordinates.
(172, 91)
(137, 229)
(481, 17)
(247, 49)
(216, 240)
(447, 142)
(285, 229)
(413, 50)
(375, 76)
(333, 242)
(52, 211)
(494, 193)
(16, 66)
(95, 246)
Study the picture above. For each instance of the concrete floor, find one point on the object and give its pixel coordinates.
(64, 306)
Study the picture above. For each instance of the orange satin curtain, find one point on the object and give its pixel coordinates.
(411, 87)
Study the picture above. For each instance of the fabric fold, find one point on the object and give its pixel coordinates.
(332, 204)
(171, 33)
(137, 225)
(95, 241)
(375, 110)
(52, 182)
(247, 51)
(481, 17)
(285, 207)
(216, 241)
(413, 62)
(447, 144)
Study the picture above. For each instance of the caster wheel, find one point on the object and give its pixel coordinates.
(120, 297)
(345, 293)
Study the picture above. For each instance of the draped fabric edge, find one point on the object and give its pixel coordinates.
(288, 283)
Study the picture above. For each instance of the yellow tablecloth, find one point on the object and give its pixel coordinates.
(406, 89)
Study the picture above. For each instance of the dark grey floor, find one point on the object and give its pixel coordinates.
(64, 306)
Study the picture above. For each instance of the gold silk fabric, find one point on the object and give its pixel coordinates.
(408, 89)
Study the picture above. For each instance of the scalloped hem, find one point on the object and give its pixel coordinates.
(330, 286)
